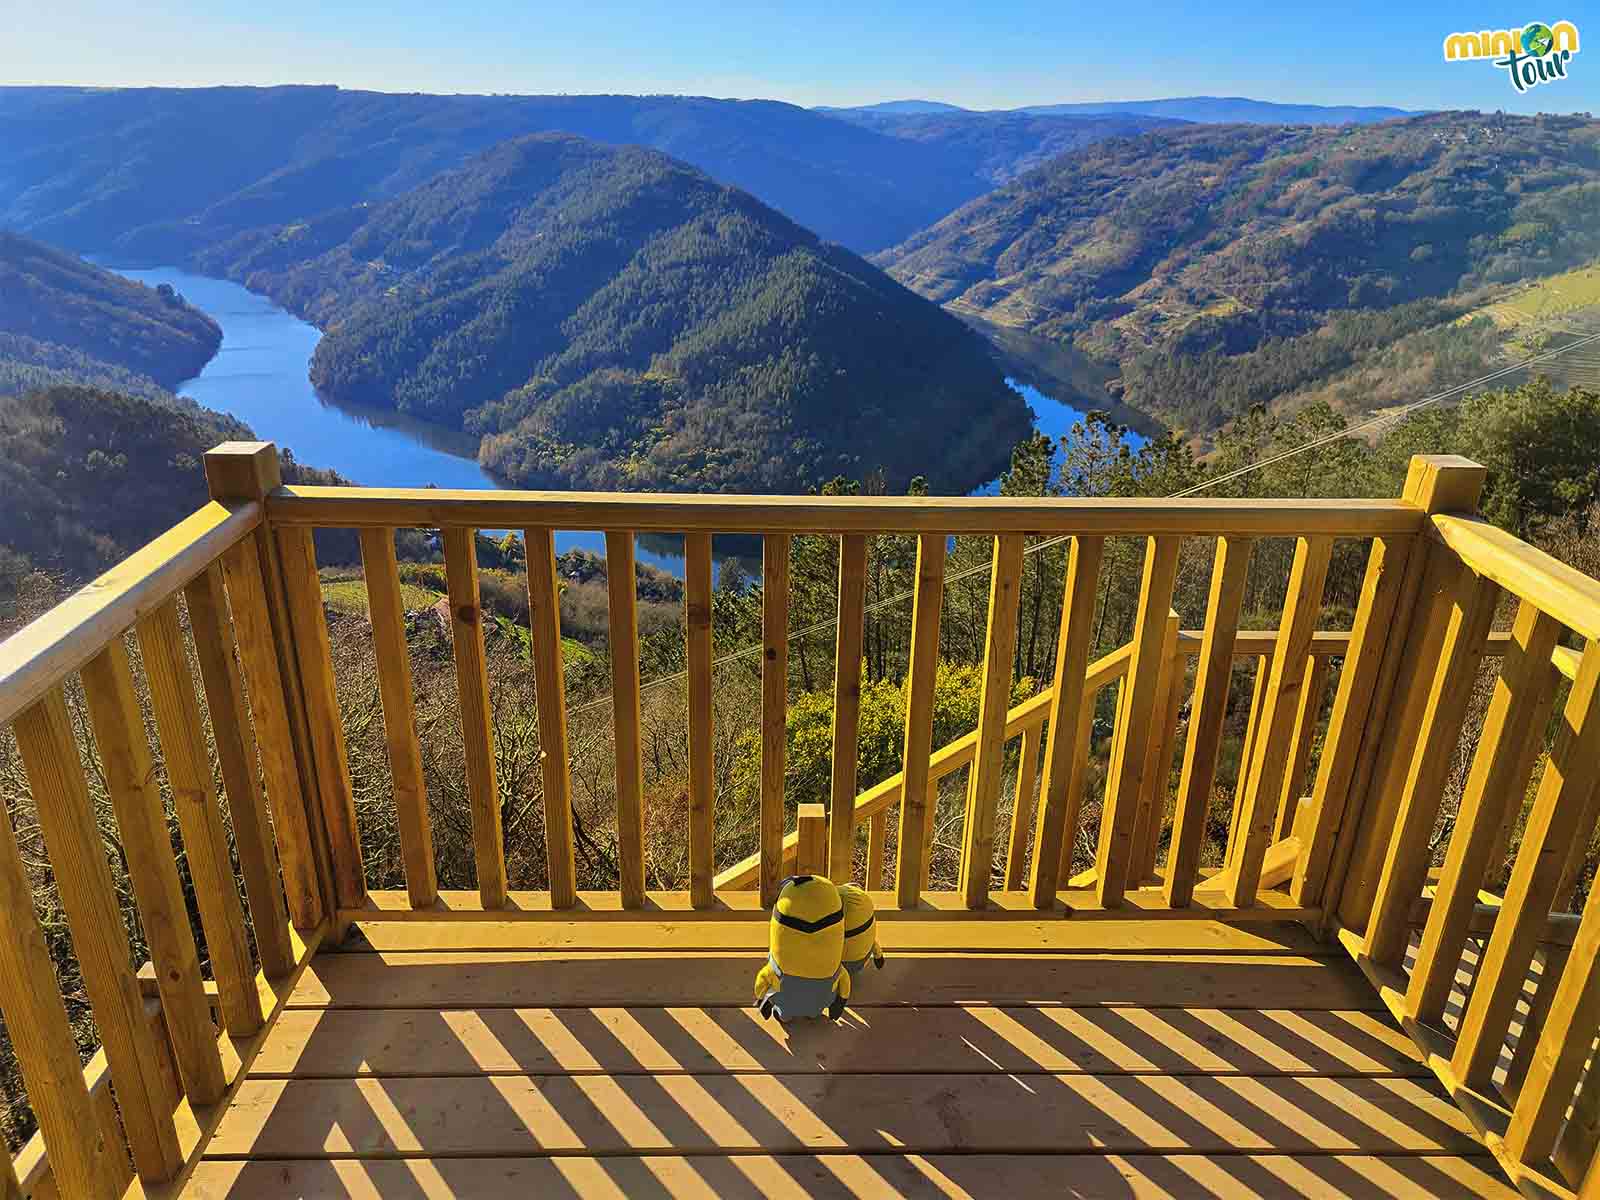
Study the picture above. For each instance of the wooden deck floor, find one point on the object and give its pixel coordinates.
(1215, 1060)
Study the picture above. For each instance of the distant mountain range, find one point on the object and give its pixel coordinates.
(612, 318)
(1216, 110)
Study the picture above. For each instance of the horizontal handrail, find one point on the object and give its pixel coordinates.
(1030, 714)
(1563, 592)
(434, 508)
(1331, 643)
(40, 655)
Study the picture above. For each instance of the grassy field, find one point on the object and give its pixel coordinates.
(1543, 300)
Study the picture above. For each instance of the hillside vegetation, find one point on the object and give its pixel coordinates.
(612, 318)
(65, 320)
(1180, 255)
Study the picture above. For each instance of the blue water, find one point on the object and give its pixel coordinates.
(261, 376)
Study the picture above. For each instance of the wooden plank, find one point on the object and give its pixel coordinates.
(1388, 563)
(268, 691)
(849, 629)
(1512, 736)
(619, 1114)
(1024, 930)
(1071, 719)
(1450, 690)
(812, 825)
(702, 768)
(393, 658)
(49, 750)
(923, 667)
(130, 778)
(42, 653)
(1575, 1151)
(1155, 789)
(520, 979)
(1270, 756)
(676, 512)
(550, 694)
(983, 791)
(774, 708)
(194, 797)
(1305, 729)
(1252, 730)
(1569, 775)
(877, 841)
(1213, 673)
(236, 757)
(84, 1160)
(1565, 593)
(477, 718)
(314, 655)
(1022, 807)
(396, 1043)
(1125, 781)
(622, 592)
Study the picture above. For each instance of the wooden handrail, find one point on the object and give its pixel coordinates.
(1563, 592)
(41, 654)
(672, 512)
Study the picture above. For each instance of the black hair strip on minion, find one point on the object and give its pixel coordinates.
(805, 926)
(861, 928)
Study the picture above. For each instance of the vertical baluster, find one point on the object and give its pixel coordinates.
(774, 707)
(1553, 821)
(269, 710)
(877, 841)
(1270, 756)
(477, 719)
(393, 660)
(1022, 806)
(550, 695)
(195, 798)
(1213, 673)
(915, 807)
(1247, 749)
(82, 1159)
(1556, 1066)
(702, 775)
(1406, 865)
(1158, 764)
(623, 624)
(846, 705)
(147, 849)
(1070, 722)
(1305, 728)
(1381, 592)
(983, 791)
(811, 856)
(1125, 783)
(1513, 732)
(236, 755)
(1575, 1151)
(303, 594)
(99, 942)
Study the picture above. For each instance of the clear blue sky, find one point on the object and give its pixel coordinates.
(965, 52)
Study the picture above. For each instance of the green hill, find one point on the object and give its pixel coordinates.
(63, 318)
(610, 317)
(1214, 264)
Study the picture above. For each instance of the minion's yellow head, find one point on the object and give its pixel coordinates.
(807, 932)
(860, 926)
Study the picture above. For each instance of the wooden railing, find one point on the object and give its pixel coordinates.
(1346, 852)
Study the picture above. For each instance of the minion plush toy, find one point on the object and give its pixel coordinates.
(803, 976)
(860, 930)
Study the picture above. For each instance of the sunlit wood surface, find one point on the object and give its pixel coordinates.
(1236, 1060)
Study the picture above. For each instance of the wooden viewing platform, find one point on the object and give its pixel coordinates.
(1333, 1012)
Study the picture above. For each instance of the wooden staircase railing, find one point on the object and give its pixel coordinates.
(238, 581)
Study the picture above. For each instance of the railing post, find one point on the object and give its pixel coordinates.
(1391, 668)
(239, 471)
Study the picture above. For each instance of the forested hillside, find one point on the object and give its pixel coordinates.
(154, 174)
(614, 318)
(1220, 266)
(64, 320)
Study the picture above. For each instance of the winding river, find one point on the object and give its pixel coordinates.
(261, 376)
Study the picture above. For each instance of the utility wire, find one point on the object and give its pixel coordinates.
(1391, 417)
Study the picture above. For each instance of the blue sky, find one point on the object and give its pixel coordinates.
(974, 54)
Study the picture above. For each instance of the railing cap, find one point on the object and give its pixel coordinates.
(242, 470)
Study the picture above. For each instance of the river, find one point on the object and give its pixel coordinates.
(261, 376)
